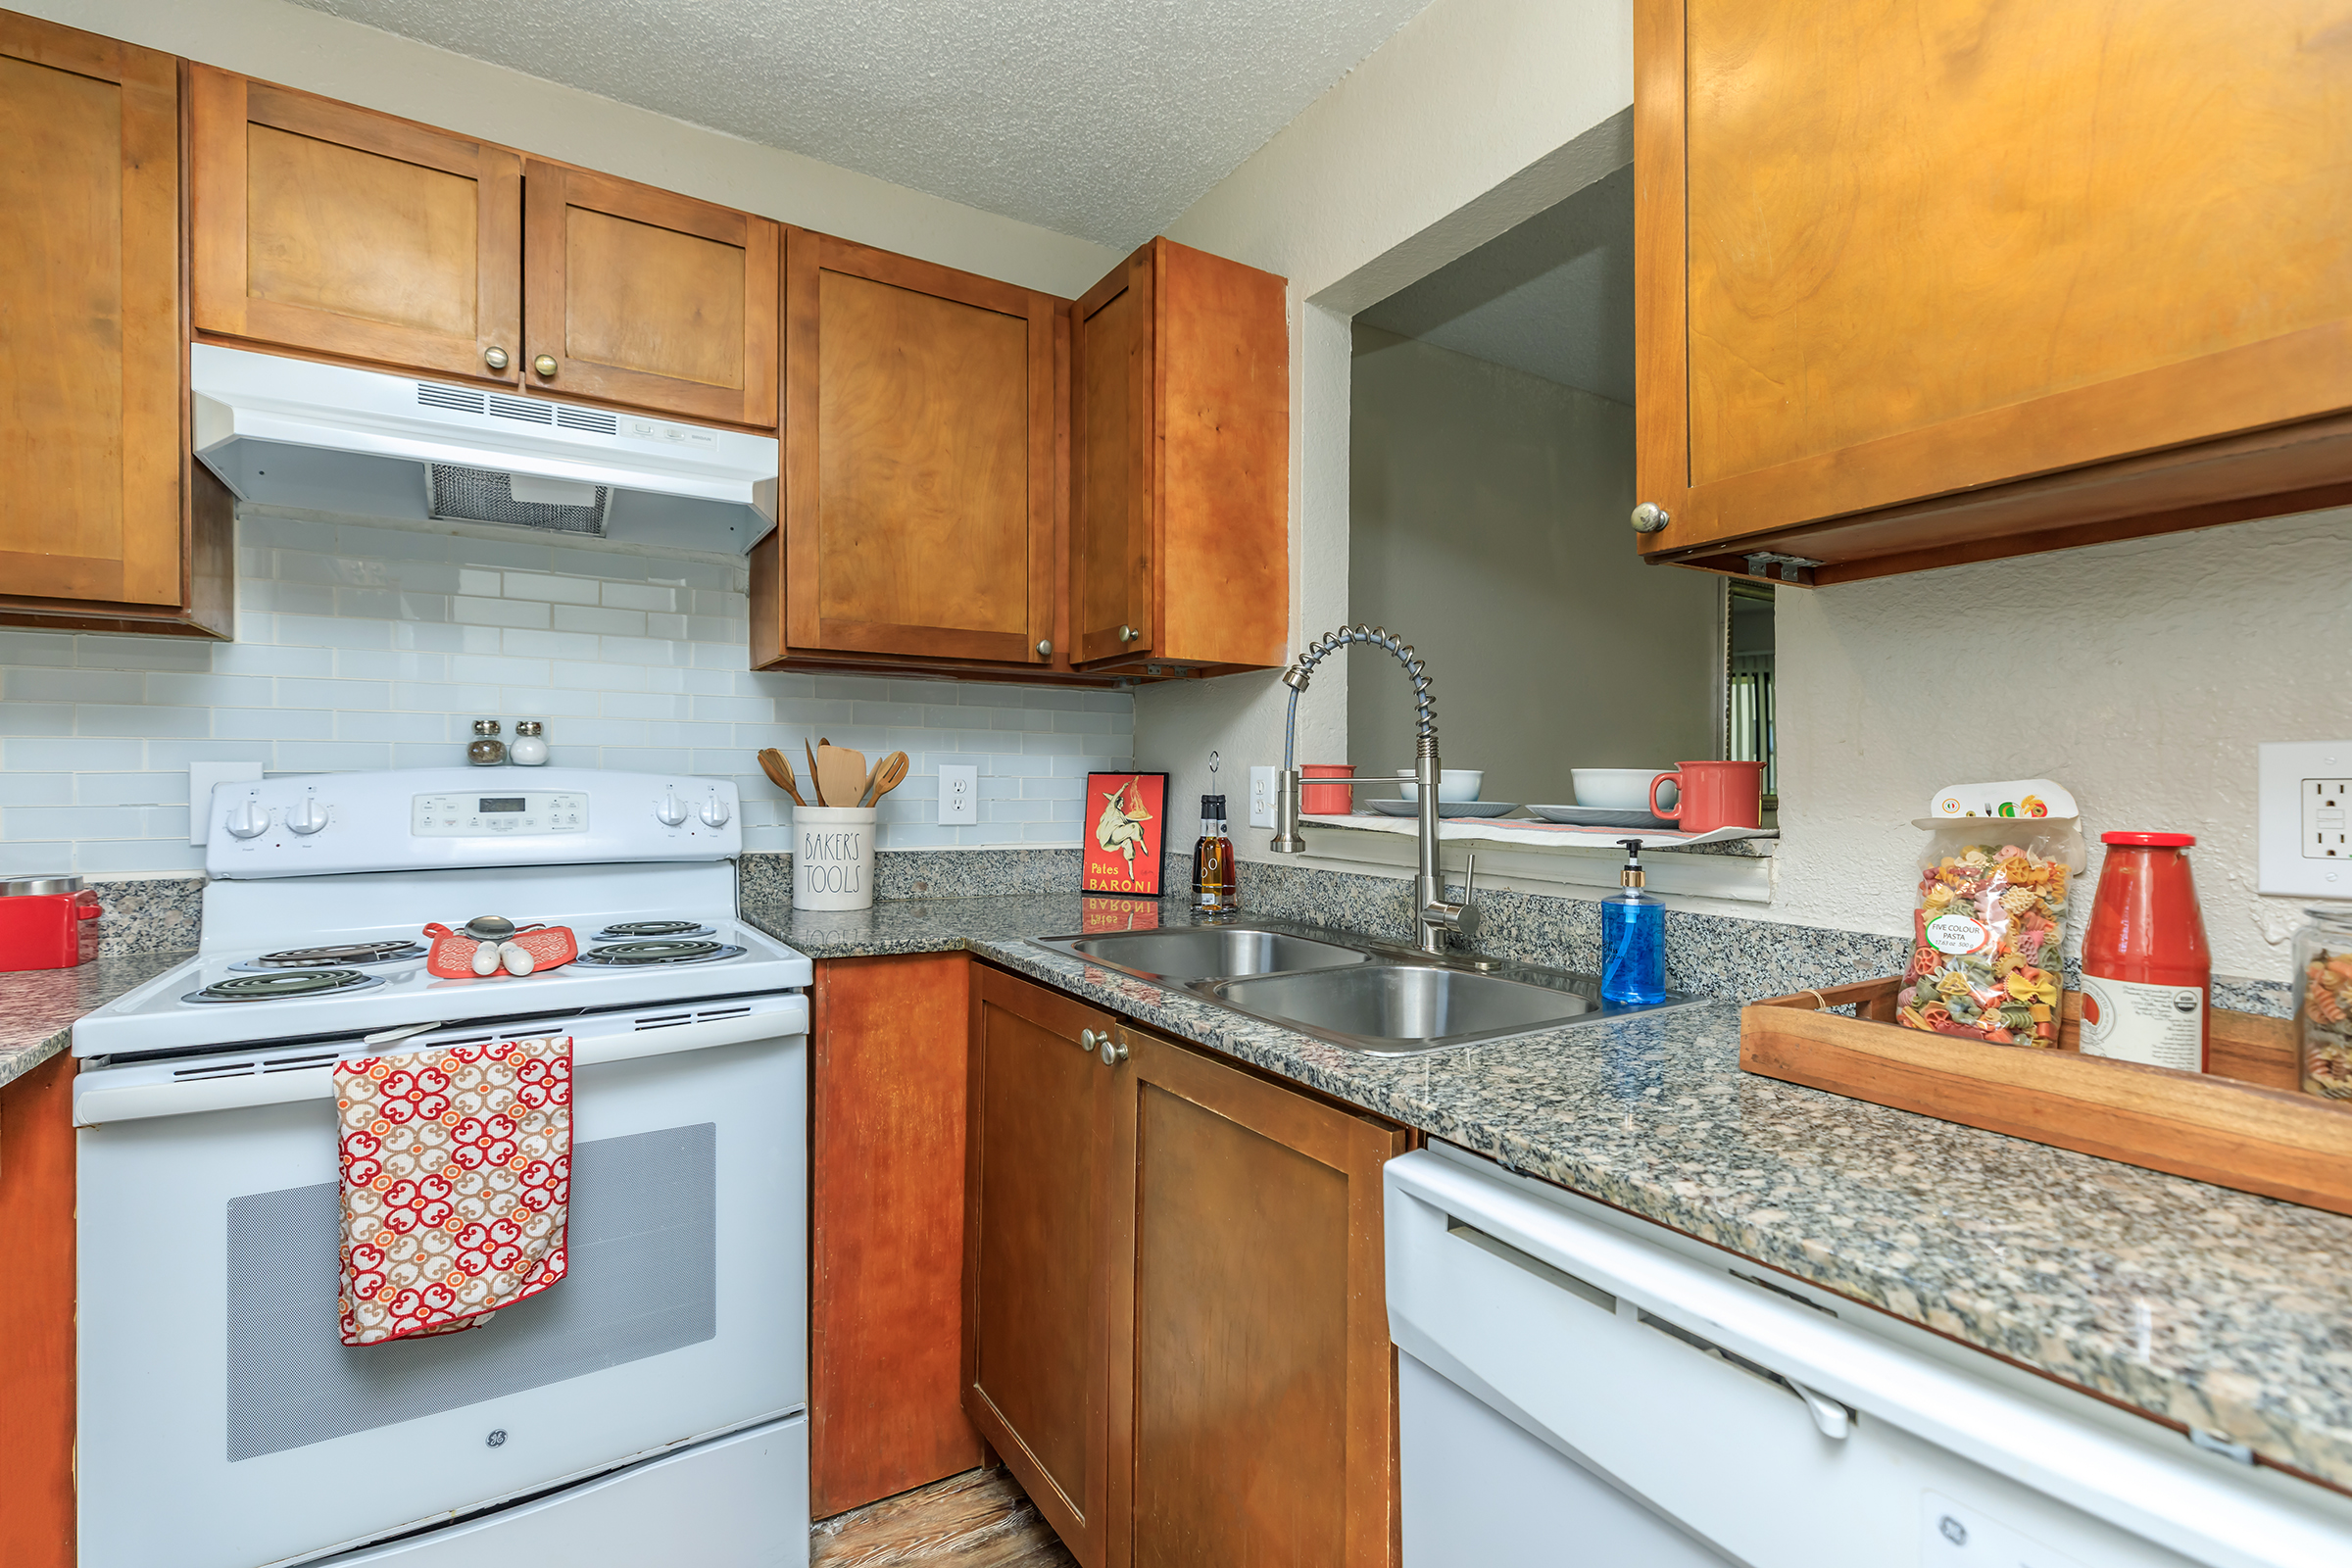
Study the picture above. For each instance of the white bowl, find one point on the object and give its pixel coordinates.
(1620, 789)
(1454, 784)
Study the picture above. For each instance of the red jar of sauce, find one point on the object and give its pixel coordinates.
(2147, 977)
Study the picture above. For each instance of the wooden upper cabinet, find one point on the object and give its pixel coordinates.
(101, 525)
(1254, 1415)
(920, 483)
(1036, 1335)
(1180, 466)
(640, 296)
(322, 227)
(2010, 279)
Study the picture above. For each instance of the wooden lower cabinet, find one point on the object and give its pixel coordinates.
(885, 1230)
(1176, 1329)
(37, 1317)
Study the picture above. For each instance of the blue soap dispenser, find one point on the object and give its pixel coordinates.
(1632, 937)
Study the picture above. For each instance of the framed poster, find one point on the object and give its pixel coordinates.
(1126, 816)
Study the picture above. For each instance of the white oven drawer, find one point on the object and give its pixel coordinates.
(223, 1423)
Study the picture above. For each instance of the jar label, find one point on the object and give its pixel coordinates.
(2158, 1026)
(1957, 933)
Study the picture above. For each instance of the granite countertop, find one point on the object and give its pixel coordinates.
(39, 1008)
(2214, 1308)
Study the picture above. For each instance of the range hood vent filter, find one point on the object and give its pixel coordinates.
(479, 495)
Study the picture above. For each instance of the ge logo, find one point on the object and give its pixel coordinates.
(496, 1438)
(1953, 1531)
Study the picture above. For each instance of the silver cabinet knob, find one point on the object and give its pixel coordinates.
(495, 356)
(1650, 517)
(1086, 1040)
(545, 364)
(1112, 1052)
(1045, 649)
(1126, 634)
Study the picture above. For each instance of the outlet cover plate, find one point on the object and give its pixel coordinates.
(958, 794)
(2302, 799)
(1261, 797)
(202, 776)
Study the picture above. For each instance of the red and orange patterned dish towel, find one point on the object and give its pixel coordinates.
(457, 1181)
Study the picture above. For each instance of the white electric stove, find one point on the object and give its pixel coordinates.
(651, 1407)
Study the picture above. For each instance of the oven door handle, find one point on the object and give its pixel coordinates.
(99, 1103)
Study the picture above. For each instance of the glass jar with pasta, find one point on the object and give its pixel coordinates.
(2323, 1000)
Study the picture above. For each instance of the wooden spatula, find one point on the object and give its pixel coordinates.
(815, 780)
(840, 773)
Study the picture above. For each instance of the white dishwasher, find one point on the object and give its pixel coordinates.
(1578, 1387)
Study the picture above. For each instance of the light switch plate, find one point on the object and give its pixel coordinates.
(202, 776)
(2302, 799)
(1261, 797)
(959, 793)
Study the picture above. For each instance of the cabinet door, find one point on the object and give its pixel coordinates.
(320, 227)
(919, 425)
(1112, 448)
(1180, 465)
(1036, 1336)
(888, 1066)
(645, 297)
(1901, 267)
(1248, 1298)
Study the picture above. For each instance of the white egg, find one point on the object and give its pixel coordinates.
(485, 959)
(518, 960)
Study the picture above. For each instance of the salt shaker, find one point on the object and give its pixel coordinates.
(487, 749)
(530, 747)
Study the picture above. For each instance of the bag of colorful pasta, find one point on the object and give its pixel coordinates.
(1989, 926)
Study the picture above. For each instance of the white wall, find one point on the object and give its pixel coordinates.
(1476, 114)
(299, 47)
(1487, 514)
(370, 645)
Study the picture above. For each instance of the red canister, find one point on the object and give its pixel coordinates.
(47, 923)
(2147, 979)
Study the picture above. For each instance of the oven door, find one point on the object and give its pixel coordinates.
(223, 1424)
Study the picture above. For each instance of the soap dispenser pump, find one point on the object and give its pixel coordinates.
(1632, 937)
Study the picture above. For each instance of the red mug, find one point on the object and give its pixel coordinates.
(1714, 795)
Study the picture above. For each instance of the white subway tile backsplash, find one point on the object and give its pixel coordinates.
(367, 647)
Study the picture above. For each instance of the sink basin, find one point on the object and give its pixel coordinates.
(1396, 1009)
(1208, 952)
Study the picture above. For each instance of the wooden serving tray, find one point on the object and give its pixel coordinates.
(2243, 1124)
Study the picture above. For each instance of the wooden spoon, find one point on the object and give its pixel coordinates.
(778, 768)
(816, 780)
(839, 772)
(887, 775)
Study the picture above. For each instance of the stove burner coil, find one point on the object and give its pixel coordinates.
(631, 955)
(284, 983)
(341, 954)
(654, 928)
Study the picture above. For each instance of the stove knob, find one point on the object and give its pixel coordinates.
(673, 810)
(714, 812)
(308, 818)
(247, 820)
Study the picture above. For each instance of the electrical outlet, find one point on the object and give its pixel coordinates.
(1261, 797)
(959, 793)
(2303, 799)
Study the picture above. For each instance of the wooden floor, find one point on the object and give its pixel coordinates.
(979, 1519)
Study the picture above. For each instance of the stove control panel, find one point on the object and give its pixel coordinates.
(482, 814)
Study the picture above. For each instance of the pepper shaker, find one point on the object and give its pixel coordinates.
(487, 749)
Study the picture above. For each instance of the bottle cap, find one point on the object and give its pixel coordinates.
(1633, 876)
(2150, 841)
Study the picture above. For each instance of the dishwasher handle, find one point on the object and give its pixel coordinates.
(99, 1103)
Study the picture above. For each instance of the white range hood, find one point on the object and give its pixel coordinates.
(329, 438)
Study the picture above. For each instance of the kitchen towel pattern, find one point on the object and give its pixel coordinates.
(456, 1184)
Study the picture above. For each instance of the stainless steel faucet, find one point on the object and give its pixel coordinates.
(1433, 913)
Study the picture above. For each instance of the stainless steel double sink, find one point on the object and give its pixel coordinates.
(1369, 996)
